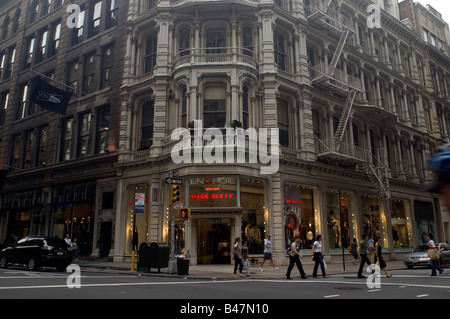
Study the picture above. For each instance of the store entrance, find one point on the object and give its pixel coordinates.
(213, 241)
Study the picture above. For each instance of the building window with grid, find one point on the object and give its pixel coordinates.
(3, 58)
(42, 46)
(66, 145)
(216, 38)
(55, 41)
(78, 30)
(3, 106)
(283, 122)
(90, 82)
(17, 145)
(214, 107)
(34, 8)
(150, 53)
(46, 7)
(12, 59)
(107, 66)
(147, 122)
(73, 75)
(112, 17)
(42, 149)
(245, 104)
(85, 132)
(247, 40)
(96, 19)
(103, 117)
(23, 103)
(280, 51)
(29, 149)
(29, 53)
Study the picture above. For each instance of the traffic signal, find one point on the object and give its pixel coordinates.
(175, 193)
(185, 213)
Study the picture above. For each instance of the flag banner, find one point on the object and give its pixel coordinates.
(49, 97)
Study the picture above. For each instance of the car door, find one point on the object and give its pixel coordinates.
(445, 253)
(16, 256)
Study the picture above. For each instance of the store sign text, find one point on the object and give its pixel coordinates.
(212, 196)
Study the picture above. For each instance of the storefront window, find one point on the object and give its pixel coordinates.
(73, 213)
(254, 218)
(374, 218)
(137, 217)
(341, 219)
(423, 212)
(401, 225)
(299, 215)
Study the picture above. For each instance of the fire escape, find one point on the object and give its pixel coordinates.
(331, 79)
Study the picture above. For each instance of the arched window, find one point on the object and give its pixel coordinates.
(185, 36)
(247, 40)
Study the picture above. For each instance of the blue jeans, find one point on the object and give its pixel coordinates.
(318, 260)
(435, 265)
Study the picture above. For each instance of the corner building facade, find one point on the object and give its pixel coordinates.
(358, 111)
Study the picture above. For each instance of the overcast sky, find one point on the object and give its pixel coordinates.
(443, 6)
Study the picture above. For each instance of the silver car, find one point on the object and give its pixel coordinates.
(419, 256)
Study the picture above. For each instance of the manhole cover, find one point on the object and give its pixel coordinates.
(347, 288)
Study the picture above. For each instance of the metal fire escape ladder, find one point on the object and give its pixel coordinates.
(343, 120)
(379, 179)
(338, 52)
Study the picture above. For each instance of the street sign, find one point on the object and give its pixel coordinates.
(174, 181)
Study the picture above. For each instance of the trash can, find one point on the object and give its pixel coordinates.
(143, 257)
(159, 256)
(183, 266)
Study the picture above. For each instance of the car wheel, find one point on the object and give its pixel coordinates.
(32, 264)
(3, 262)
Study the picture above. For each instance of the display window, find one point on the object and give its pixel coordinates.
(255, 220)
(300, 217)
(341, 219)
(401, 225)
(374, 218)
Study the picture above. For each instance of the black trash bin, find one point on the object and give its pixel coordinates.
(159, 256)
(183, 266)
(144, 257)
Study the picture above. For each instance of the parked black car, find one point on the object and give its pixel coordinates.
(37, 251)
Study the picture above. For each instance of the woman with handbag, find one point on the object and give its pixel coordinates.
(294, 259)
(318, 257)
(433, 253)
(379, 258)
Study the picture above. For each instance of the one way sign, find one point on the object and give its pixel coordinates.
(174, 181)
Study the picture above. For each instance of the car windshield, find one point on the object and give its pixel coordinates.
(56, 242)
(421, 248)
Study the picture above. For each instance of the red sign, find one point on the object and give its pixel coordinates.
(212, 196)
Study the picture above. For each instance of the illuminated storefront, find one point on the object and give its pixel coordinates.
(221, 208)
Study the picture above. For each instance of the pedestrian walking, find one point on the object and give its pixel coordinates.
(371, 249)
(237, 252)
(76, 249)
(354, 251)
(268, 254)
(318, 257)
(294, 259)
(433, 253)
(362, 254)
(379, 258)
(245, 257)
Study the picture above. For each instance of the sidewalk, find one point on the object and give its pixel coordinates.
(214, 272)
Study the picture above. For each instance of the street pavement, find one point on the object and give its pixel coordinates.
(226, 271)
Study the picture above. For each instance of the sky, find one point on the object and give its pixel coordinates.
(442, 6)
